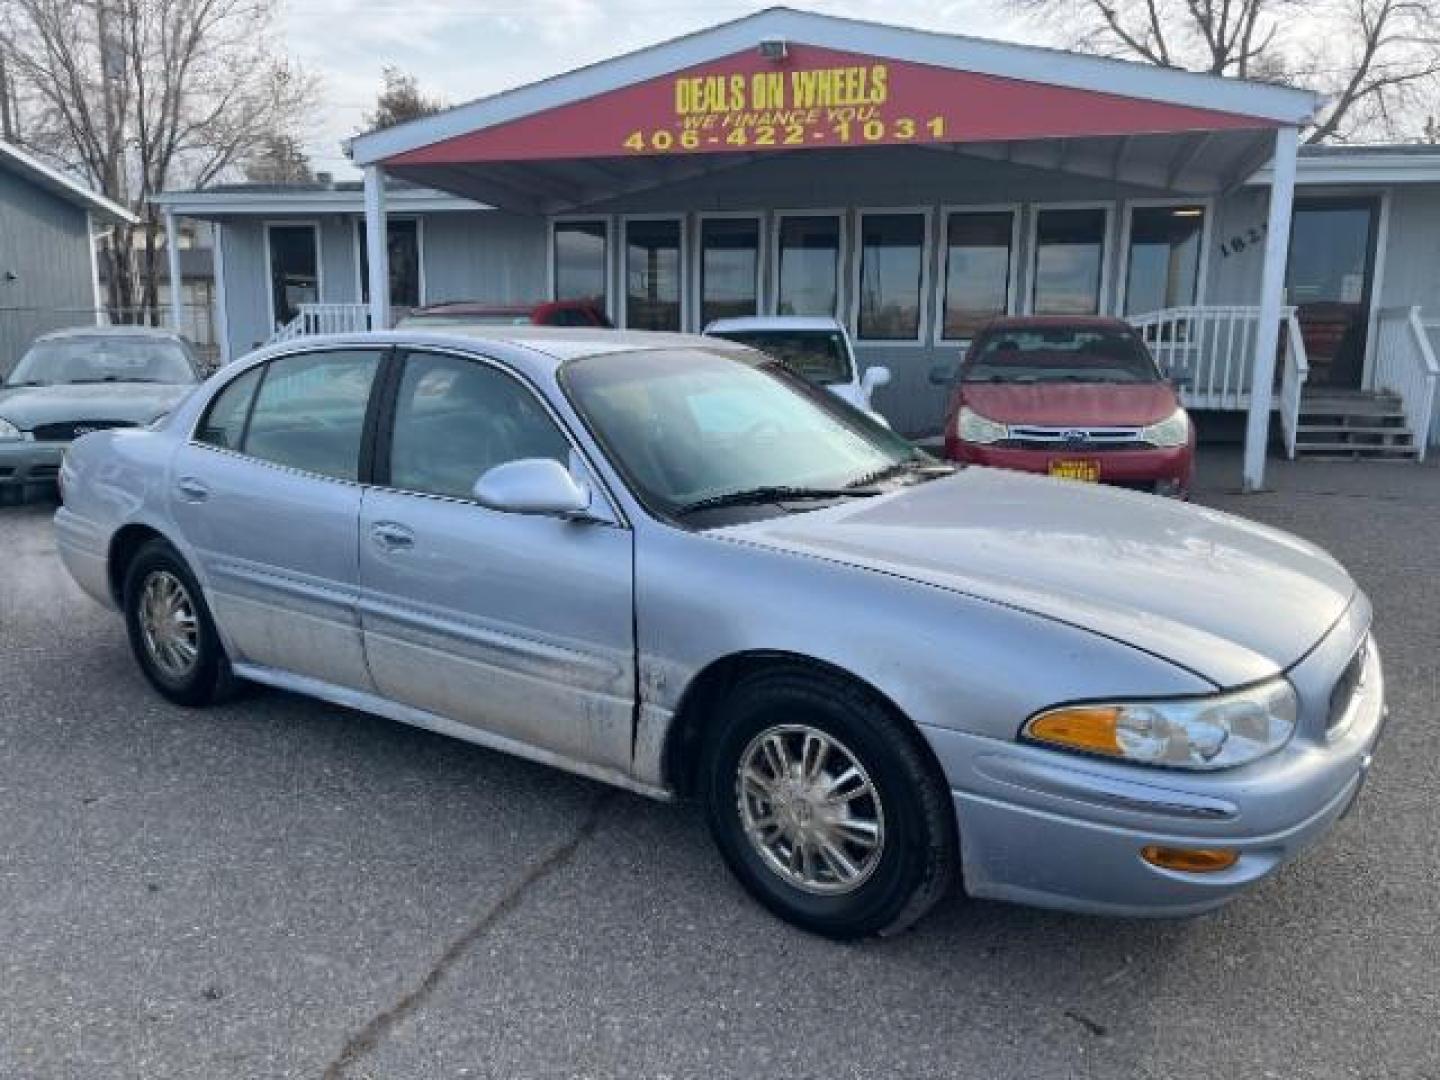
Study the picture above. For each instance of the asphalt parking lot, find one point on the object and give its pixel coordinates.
(279, 888)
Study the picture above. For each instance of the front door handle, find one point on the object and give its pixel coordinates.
(191, 489)
(389, 536)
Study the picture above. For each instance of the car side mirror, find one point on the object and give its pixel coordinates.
(874, 378)
(533, 486)
(943, 374)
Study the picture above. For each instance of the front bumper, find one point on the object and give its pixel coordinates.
(1052, 829)
(1166, 470)
(25, 463)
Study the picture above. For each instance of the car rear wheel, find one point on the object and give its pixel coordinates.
(171, 632)
(824, 804)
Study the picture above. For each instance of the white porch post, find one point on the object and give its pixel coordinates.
(172, 261)
(377, 252)
(1272, 287)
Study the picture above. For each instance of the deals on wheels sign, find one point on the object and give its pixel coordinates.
(813, 98)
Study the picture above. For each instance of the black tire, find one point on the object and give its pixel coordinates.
(919, 855)
(208, 678)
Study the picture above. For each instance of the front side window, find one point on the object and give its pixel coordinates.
(1069, 261)
(977, 270)
(729, 268)
(687, 425)
(403, 250)
(224, 423)
(892, 262)
(1163, 263)
(808, 270)
(652, 275)
(90, 359)
(294, 270)
(581, 255)
(455, 419)
(309, 413)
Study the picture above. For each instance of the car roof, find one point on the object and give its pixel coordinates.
(540, 349)
(485, 307)
(1057, 322)
(159, 333)
(773, 322)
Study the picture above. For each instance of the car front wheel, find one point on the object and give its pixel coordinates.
(824, 804)
(171, 632)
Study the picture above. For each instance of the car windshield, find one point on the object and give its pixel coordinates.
(693, 426)
(817, 355)
(103, 359)
(1060, 355)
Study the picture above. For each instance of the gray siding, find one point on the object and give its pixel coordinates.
(46, 280)
(1412, 251)
(246, 284)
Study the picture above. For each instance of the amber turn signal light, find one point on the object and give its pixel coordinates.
(1190, 860)
(1082, 727)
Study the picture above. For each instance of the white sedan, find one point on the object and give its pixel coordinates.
(813, 348)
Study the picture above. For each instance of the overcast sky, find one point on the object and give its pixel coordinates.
(462, 49)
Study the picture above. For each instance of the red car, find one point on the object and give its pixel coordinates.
(473, 312)
(1079, 398)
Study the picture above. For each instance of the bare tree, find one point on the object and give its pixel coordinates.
(400, 100)
(138, 96)
(1376, 61)
(279, 159)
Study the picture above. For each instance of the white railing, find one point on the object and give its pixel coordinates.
(325, 319)
(1208, 351)
(1294, 373)
(1405, 365)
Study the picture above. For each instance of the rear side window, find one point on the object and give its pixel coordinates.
(309, 413)
(224, 423)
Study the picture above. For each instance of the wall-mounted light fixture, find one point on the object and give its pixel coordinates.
(774, 49)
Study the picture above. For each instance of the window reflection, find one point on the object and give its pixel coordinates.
(1163, 264)
(652, 275)
(809, 271)
(977, 270)
(892, 248)
(580, 257)
(1069, 261)
(729, 268)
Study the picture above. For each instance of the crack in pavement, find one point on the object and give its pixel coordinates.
(373, 1033)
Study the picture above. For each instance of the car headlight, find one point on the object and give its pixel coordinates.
(1215, 732)
(9, 432)
(974, 428)
(1174, 430)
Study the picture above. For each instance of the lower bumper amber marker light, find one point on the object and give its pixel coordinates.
(1190, 860)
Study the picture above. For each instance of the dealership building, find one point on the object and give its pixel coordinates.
(912, 185)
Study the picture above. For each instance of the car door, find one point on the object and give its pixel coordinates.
(518, 625)
(267, 496)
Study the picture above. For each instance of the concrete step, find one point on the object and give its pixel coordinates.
(1343, 451)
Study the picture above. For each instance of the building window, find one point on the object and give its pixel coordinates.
(1163, 261)
(403, 245)
(1069, 263)
(652, 274)
(294, 270)
(729, 268)
(892, 270)
(808, 265)
(978, 256)
(581, 260)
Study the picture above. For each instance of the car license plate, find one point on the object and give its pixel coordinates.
(1089, 471)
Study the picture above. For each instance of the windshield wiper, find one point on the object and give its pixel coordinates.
(23, 382)
(771, 493)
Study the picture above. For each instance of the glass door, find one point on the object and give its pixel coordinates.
(1332, 262)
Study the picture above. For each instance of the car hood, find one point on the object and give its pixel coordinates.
(1097, 404)
(1225, 598)
(138, 403)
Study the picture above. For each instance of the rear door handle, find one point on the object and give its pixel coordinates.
(389, 536)
(192, 490)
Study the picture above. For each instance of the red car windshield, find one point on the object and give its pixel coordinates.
(1060, 355)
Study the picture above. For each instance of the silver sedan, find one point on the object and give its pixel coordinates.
(665, 563)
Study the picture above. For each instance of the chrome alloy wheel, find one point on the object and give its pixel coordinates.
(168, 625)
(810, 809)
